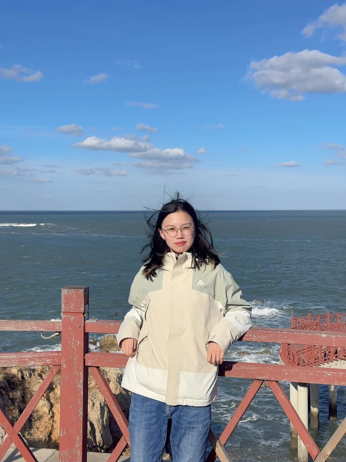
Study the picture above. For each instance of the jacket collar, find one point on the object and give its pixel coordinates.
(171, 259)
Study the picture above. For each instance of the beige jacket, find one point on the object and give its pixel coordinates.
(173, 318)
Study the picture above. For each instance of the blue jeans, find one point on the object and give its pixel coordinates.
(148, 426)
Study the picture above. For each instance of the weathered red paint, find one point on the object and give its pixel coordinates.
(29, 408)
(102, 327)
(106, 359)
(283, 373)
(294, 418)
(74, 384)
(32, 326)
(238, 414)
(16, 439)
(30, 358)
(75, 358)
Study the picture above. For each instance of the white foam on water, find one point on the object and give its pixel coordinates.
(265, 311)
(18, 225)
(24, 225)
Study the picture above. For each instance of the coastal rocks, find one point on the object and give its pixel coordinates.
(109, 343)
(17, 387)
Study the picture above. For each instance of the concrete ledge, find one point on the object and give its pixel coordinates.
(52, 455)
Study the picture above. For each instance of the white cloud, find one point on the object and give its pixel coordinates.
(8, 159)
(51, 165)
(117, 143)
(109, 172)
(332, 146)
(20, 74)
(332, 162)
(292, 75)
(146, 128)
(38, 180)
(245, 148)
(333, 17)
(209, 127)
(202, 151)
(144, 105)
(161, 161)
(4, 149)
(118, 129)
(342, 154)
(96, 78)
(291, 163)
(83, 171)
(72, 129)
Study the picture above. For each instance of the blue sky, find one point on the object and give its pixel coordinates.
(240, 105)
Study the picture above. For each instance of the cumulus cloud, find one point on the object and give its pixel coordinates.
(83, 171)
(209, 127)
(333, 17)
(293, 75)
(6, 157)
(332, 162)
(117, 144)
(342, 155)
(129, 63)
(146, 128)
(166, 160)
(144, 105)
(202, 151)
(109, 172)
(38, 180)
(72, 129)
(20, 74)
(118, 129)
(97, 79)
(291, 163)
(332, 146)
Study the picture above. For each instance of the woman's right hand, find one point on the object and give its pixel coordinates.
(129, 346)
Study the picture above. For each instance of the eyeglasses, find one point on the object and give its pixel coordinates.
(172, 231)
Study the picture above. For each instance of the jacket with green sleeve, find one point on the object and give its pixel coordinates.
(173, 318)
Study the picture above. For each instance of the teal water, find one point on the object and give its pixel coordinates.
(294, 261)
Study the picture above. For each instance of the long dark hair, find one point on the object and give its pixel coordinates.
(202, 250)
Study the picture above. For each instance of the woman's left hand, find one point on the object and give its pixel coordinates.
(215, 354)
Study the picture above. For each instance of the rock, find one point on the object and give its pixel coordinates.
(18, 385)
(244, 353)
(260, 301)
(109, 343)
(266, 352)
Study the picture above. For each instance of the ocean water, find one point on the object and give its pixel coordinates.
(287, 264)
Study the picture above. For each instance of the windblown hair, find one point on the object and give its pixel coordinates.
(202, 250)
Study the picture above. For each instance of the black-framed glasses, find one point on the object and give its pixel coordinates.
(172, 231)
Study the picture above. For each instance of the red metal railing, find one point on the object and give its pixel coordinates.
(75, 360)
(312, 355)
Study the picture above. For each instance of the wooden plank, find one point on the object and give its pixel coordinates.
(294, 418)
(43, 326)
(74, 376)
(29, 408)
(238, 414)
(218, 447)
(301, 337)
(102, 326)
(30, 358)
(117, 451)
(332, 443)
(16, 439)
(282, 373)
(99, 359)
(112, 402)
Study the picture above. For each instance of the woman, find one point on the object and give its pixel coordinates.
(187, 311)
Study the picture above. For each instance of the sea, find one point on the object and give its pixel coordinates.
(287, 263)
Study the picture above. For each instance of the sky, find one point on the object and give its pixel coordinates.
(114, 105)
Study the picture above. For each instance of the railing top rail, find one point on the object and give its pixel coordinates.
(40, 326)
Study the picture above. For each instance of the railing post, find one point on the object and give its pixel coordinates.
(314, 405)
(74, 377)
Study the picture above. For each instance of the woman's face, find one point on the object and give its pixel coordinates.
(178, 240)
